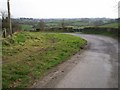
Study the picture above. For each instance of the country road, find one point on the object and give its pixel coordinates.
(94, 67)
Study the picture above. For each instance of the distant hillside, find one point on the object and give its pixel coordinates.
(68, 22)
(111, 25)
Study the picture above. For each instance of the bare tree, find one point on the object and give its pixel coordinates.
(3, 14)
(63, 24)
(41, 25)
(4, 23)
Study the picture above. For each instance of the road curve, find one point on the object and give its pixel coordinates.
(97, 66)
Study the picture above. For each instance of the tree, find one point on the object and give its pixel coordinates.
(3, 14)
(98, 22)
(4, 23)
(63, 24)
(41, 25)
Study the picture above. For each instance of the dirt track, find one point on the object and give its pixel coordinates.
(94, 67)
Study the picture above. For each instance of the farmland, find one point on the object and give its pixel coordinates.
(76, 22)
(26, 27)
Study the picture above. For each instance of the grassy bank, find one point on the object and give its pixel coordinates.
(111, 32)
(111, 25)
(29, 55)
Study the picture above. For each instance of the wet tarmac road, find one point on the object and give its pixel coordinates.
(97, 66)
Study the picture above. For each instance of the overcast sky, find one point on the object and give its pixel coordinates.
(62, 8)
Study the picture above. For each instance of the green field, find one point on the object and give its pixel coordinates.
(111, 25)
(26, 27)
(27, 56)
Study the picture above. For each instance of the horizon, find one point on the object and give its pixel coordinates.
(64, 18)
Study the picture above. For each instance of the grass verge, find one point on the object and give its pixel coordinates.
(27, 56)
(109, 34)
(111, 25)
